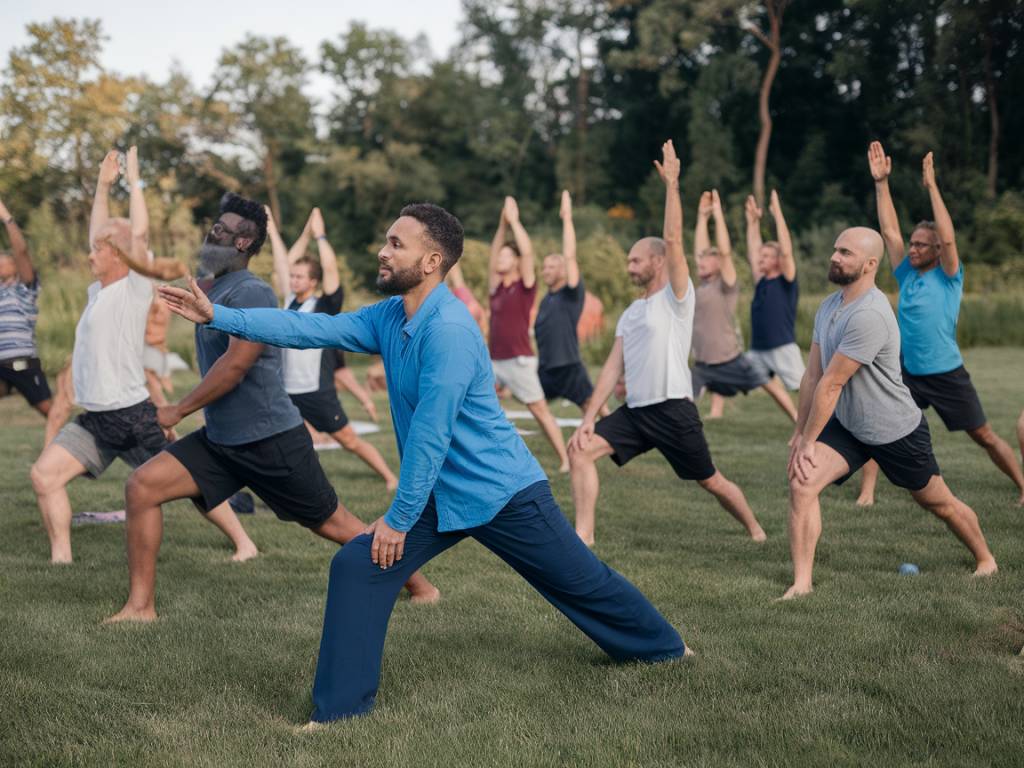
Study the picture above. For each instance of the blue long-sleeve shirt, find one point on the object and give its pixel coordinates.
(453, 437)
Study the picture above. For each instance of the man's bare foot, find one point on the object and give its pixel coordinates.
(986, 568)
(865, 500)
(60, 560)
(587, 538)
(1020, 501)
(714, 415)
(564, 469)
(311, 727)
(757, 534)
(689, 653)
(131, 614)
(245, 552)
(794, 592)
(391, 485)
(423, 597)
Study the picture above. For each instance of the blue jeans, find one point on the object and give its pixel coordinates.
(530, 534)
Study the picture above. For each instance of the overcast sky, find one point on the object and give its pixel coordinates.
(146, 37)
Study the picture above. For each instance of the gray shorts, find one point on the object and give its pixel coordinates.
(96, 456)
(739, 375)
(519, 374)
(786, 362)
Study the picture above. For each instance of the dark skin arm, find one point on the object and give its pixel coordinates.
(223, 376)
(19, 248)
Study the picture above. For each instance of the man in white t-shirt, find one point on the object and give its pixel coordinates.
(108, 378)
(652, 346)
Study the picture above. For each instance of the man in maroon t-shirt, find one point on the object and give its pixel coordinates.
(513, 290)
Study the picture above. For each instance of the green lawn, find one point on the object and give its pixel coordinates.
(873, 668)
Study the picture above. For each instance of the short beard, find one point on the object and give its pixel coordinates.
(400, 281)
(837, 276)
(216, 260)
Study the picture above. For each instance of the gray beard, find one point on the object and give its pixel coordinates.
(217, 260)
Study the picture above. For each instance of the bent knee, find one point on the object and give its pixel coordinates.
(984, 436)
(42, 480)
(714, 484)
(352, 561)
(347, 438)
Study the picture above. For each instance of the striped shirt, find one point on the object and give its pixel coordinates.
(19, 310)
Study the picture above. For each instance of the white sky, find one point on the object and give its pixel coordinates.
(146, 37)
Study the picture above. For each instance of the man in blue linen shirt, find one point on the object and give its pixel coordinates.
(465, 471)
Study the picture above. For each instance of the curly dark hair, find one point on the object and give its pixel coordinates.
(255, 224)
(442, 227)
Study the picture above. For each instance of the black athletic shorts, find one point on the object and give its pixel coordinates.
(951, 394)
(673, 427)
(282, 469)
(739, 375)
(908, 462)
(322, 409)
(569, 381)
(125, 428)
(25, 374)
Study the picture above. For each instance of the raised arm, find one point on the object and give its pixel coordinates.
(140, 258)
(280, 254)
(109, 171)
(497, 243)
(328, 259)
(678, 271)
(523, 243)
(723, 241)
(889, 224)
(787, 262)
(754, 241)
(701, 238)
(298, 249)
(948, 255)
(572, 267)
(19, 248)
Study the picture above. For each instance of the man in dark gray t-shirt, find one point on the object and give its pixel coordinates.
(854, 407)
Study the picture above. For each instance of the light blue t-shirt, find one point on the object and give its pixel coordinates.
(928, 311)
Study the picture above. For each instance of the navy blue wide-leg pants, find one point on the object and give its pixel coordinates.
(530, 534)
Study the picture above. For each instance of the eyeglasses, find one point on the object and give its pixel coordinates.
(916, 245)
(220, 229)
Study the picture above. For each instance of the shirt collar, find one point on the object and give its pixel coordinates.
(436, 296)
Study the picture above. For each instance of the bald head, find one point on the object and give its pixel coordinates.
(651, 247)
(646, 261)
(118, 232)
(857, 254)
(867, 240)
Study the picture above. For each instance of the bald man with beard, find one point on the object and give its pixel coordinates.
(854, 407)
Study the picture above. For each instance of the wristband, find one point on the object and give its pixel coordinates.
(321, 237)
(140, 184)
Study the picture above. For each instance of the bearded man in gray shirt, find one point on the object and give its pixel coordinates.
(854, 407)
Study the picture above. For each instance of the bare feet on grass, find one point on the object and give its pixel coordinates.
(986, 568)
(422, 597)
(866, 500)
(129, 614)
(796, 591)
(311, 727)
(586, 538)
(757, 534)
(245, 552)
(564, 469)
(392, 485)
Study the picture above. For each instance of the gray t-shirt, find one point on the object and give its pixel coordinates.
(258, 407)
(875, 405)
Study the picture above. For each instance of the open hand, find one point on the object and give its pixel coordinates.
(511, 210)
(928, 171)
(706, 205)
(131, 166)
(388, 544)
(565, 211)
(580, 439)
(879, 163)
(774, 205)
(716, 203)
(668, 168)
(752, 210)
(110, 168)
(192, 306)
(271, 224)
(316, 223)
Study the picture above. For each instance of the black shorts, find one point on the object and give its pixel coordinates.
(569, 381)
(951, 394)
(282, 469)
(322, 409)
(673, 427)
(739, 375)
(25, 374)
(908, 462)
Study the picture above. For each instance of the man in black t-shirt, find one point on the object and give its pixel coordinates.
(560, 368)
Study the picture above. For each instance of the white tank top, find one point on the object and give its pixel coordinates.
(301, 366)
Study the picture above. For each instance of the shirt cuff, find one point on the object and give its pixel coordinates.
(397, 521)
(224, 318)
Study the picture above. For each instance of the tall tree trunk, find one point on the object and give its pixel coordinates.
(582, 103)
(772, 42)
(993, 117)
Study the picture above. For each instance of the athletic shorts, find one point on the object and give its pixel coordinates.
(322, 410)
(96, 438)
(282, 469)
(908, 462)
(519, 374)
(156, 360)
(672, 426)
(786, 362)
(741, 374)
(569, 381)
(337, 357)
(25, 374)
(951, 394)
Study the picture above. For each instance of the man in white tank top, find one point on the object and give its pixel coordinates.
(652, 344)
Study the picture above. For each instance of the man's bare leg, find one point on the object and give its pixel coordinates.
(224, 517)
(717, 406)
(552, 431)
(1001, 454)
(51, 473)
(1020, 441)
(960, 519)
(780, 395)
(734, 502)
(601, 413)
(868, 481)
(805, 516)
(586, 484)
(343, 526)
(350, 441)
(43, 406)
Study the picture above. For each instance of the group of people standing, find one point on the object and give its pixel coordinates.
(267, 372)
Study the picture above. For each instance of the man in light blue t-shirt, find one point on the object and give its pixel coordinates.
(855, 408)
(931, 280)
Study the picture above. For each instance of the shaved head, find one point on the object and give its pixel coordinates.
(867, 240)
(652, 246)
(646, 261)
(858, 252)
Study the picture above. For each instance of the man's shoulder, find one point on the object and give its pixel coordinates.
(245, 290)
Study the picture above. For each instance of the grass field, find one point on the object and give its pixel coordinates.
(874, 668)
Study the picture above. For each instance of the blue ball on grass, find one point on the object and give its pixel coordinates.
(909, 569)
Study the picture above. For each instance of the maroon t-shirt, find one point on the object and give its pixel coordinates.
(510, 320)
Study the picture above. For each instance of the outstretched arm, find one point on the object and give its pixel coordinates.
(881, 166)
(280, 254)
(722, 241)
(19, 248)
(328, 259)
(701, 238)
(572, 267)
(948, 255)
(787, 262)
(678, 271)
(497, 243)
(109, 171)
(754, 242)
(523, 243)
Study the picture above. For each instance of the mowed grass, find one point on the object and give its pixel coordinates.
(873, 668)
